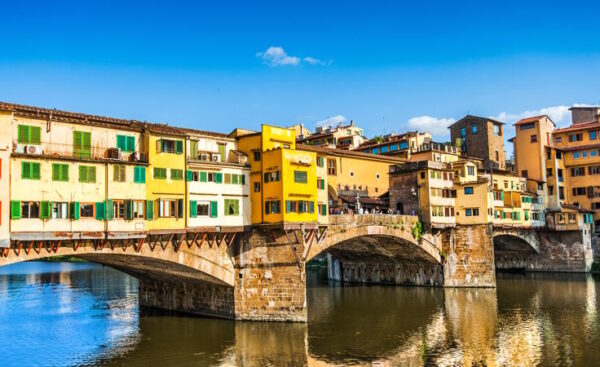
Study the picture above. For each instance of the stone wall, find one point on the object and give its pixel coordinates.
(559, 251)
(378, 272)
(269, 285)
(469, 256)
(196, 297)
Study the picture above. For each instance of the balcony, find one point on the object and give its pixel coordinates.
(70, 151)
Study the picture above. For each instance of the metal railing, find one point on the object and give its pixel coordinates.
(71, 151)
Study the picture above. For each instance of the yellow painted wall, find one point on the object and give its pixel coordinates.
(294, 160)
(360, 174)
(248, 145)
(272, 191)
(164, 188)
(277, 137)
(127, 190)
(479, 199)
(323, 194)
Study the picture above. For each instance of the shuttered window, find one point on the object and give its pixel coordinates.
(15, 209)
(119, 173)
(82, 144)
(176, 174)
(300, 176)
(139, 174)
(193, 149)
(60, 172)
(218, 177)
(126, 143)
(29, 134)
(232, 207)
(179, 147)
(160, 173)
(149, 210)
(193, 209)
(214, 209)
(87, 174)
(30, 170)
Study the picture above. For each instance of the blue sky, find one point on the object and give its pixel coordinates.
(389, 66)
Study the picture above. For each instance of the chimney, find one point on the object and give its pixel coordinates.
(583, 115)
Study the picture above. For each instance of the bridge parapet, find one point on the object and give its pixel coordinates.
(372, 219)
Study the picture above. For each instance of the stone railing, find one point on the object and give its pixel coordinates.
(372, 219)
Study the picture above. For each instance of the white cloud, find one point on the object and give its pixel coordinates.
(559, 114)
(276, 56)
(332, 121)
(438, 127)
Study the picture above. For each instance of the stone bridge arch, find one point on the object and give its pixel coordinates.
(196, 278)
(378, 249)
(515, 239)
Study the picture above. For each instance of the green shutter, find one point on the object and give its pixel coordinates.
(109, 210)
(23, 134)
(311, 207)
(149, 210)
(139, 174)
(82, 144)
(178, 147)
(15, 209)
(288, 206)
(45, 210)
(60, 172)
(129, 209)
(35, 133)
(188, 175)
(324, 209)
(203, 177)
(25, 170)
(35, 171)
(214, 211)
(243, 179)
(222, 152)
(82, 173)
(100, 210)
(234, 179)
(193, 149)
(218, 177)
(130, 144)
(121, 142)
(74, 210)
(180, 208)
(193, 209)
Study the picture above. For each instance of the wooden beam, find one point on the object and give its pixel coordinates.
(18, 250)
(139, 244)
(293, 249)
(179, 242)
(231, 239)
(28, 249)
(202, 240)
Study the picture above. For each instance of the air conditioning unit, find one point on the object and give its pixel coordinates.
(113, 153)
(216, 158)
(20, 148)
(34, 149)
(204, 157)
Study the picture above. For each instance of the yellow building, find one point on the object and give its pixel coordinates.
(283, 179)
(165, 178)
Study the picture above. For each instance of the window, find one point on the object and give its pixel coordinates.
(271, 176)
(82, 144)
(385, 149)
(160, 173)
(575, 155)
(139, 207)
(475, 212)
(403, 145)
(471, 170)
(530, 125)
(126, 143)
(300, 176)
(86, 210)
(550, 190)
(322, 209)
(169, 146)
(30, 209)
(30, 170)
(497, 130)
(474, 129)
(87, 174)
(257, 187)
(558, 139)
(524, 173)
(272, 207)
(469, 190)
(549, 172)
(561, 193)
(222, 152)
(558, 154)
(119, 173)
(232, 207)
(139, 174)
(374, 150)
(167, 208)
(331, 167)
(592, 135)
(194, 149)
(393, 147)
(579, 191)
(60, 172)
(593, 170)
(584, 154)
(176, 174)
(29, 134)
(468, 212)
(575, 137)
(118, 209)
(593, 153)
(463, 132)
(256, 155)
(320, 184)
(59, 211)
(579, 171)
(320, 161)
(533, 138)
(203, 209)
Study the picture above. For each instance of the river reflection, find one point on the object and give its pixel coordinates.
(83, 314)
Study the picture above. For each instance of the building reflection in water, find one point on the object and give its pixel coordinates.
(528, 320)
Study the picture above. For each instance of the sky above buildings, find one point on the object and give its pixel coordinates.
(389, 66)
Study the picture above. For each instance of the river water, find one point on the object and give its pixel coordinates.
(85, 314)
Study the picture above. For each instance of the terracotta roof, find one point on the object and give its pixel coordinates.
(584, 126)
(580, 147)
(348, 153)
(82, 118)
(479, 118)
(533, 119)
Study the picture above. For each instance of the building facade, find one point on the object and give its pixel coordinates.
(481, 138)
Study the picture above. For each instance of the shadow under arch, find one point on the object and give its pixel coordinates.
(512, 252)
